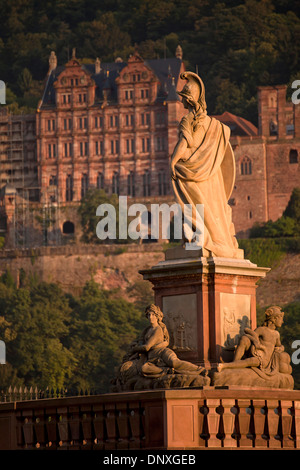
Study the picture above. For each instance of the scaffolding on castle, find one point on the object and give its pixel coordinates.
(36, 224)
(33, 223)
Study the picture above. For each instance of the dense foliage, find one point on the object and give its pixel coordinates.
(236, 45)
(56, 340)
(288, 225)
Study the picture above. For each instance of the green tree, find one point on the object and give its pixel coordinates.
(38, 317)
(293, 208)
(288, 225)
(89, 220)
(102, 328)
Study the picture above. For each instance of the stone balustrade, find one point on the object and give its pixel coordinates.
(158, 419)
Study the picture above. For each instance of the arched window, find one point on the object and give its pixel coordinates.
(68, 227)
(246, 166)
(293, 156)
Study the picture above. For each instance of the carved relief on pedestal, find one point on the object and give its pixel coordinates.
(181, 319)
(235, 317)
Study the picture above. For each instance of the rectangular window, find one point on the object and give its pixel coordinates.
(129, 145)
(130, 184)
(114, 146)
(115, 183)
(128, 94)
(146, 184)
(162, 185)
(51, 125)
(84, 185)
(52, 180)
(99, 148)
(69, 188)
(100, 181)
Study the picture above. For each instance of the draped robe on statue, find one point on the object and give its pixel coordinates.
(205, 175)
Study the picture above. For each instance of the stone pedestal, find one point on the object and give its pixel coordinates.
(207, 302)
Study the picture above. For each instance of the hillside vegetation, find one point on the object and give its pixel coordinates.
(235, 45)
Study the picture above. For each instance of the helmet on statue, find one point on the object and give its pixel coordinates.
(193, 90)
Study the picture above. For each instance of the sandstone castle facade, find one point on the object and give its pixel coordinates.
(114, 126)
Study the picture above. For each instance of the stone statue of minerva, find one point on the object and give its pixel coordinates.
(203, 170)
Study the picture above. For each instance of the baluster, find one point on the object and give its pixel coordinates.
(244, 420)
(274, 424)
(122, 426)
(287, 421)
(20, 435)
(260, 412)
(28, 433)
(62, 425)
(203, 428)
(86, 426)
(136, 421)
(110, 424)
(228, 422)
(40, 429)
(51, 428)
(213, 421)
(99, 428)
(74, 425)
(297, 423)
(142, 414)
